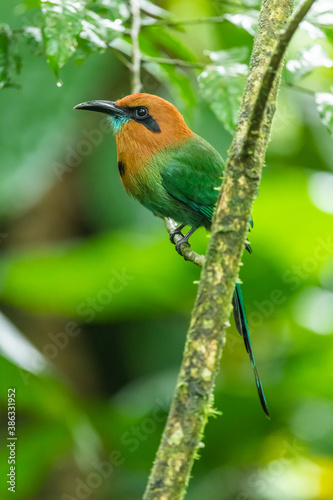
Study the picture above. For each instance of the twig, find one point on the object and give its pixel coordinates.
(122, 59)
(299, 89)
(238, 5)
(136, 58)
(176, 62)
(186, 22)
(192, 401)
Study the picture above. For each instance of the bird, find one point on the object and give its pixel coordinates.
(173, 172)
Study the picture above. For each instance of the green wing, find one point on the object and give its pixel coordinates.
(193, 174)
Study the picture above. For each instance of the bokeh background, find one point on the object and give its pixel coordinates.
(95, 302)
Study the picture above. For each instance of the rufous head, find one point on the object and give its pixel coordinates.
(143, 118)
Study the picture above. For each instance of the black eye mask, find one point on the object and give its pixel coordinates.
(147, 120)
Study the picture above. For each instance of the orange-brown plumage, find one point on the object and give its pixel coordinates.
(136, 144)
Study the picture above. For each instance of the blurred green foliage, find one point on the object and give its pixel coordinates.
(90, 279)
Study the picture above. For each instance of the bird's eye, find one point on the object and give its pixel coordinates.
(141, 112)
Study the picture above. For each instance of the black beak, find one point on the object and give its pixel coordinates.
(108, 107)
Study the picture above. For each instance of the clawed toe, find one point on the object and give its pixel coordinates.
(178, 230)
(173, 234)
(184, 239)
(180, 242)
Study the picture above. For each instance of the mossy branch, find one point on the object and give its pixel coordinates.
(193, 398)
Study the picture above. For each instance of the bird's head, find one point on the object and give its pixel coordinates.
(143, 118)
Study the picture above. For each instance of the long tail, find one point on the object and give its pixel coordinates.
(243, 329)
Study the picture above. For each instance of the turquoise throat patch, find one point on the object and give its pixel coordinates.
(117, 122)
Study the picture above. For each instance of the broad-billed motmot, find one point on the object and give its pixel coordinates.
(171, 171)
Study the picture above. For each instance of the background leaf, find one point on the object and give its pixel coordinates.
(324, 103)
(247, 21)
(10, 61)
(307, 60)
(61, 27)
(222, 86)
(321, 14)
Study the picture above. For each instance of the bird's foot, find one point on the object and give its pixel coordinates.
(184, 240)
(180, 242)
(178, 230)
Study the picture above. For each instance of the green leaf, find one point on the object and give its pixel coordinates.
(161, 43)
(324, 103)
(321, 14)
(169, 45)
(18, 350)
(61, 27)
(307, 60)
(174, 78)
(111, 9)
(230, 56)
(70, 28)
(10, 61)
(152, 9)
(222, 86)
(96, 34)
(122, 46)
(32, 4)
(247, 21)
(34, 39)
(311, 30)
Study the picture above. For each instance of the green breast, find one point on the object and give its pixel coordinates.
(180, 182)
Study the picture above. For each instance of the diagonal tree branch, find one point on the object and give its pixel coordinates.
(192, 402)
